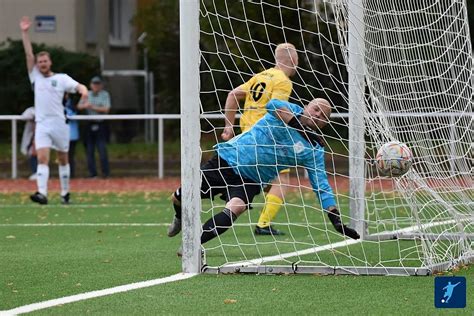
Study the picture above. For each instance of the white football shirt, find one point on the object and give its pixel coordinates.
(49, 94)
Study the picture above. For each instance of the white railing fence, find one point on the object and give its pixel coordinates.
(162, 117)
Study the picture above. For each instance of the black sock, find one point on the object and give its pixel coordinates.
(217, 225)
(177, 208)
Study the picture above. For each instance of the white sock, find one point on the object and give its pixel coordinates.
(42, 176)
(64, 175)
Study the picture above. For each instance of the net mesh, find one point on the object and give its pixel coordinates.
(419, 75)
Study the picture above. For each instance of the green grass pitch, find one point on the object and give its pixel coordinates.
(125, 242)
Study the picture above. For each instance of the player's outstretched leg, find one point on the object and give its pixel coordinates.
(217, 225)
(175, 226)
(214, 226)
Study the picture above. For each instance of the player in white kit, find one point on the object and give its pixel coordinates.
(52, 130)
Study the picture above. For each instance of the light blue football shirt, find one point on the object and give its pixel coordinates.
(271, 146)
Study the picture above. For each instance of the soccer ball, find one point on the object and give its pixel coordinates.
(394, 159)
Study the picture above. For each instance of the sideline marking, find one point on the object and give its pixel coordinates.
(88, 295)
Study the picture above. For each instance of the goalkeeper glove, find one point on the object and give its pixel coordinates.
(335, 219)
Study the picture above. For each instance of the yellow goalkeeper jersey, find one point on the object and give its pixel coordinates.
(261, 88)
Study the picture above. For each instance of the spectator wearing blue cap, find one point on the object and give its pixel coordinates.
(96, 135)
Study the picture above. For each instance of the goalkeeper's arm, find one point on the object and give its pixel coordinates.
(281, 110)
(322, 188)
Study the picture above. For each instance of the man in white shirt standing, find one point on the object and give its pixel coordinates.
(52, 130)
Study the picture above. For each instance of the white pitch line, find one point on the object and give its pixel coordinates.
(84, 224)
(88, 295)
(126, 224)
(339, 244)
(292, 254)
(98, 205)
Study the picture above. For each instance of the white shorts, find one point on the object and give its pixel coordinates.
(52, 134)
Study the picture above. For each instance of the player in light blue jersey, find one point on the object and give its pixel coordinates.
(285, 137)
(262, 152)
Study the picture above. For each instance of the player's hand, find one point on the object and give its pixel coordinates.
(335, 219)
(25, 24)
(228, 133)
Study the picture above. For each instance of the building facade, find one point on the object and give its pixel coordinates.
(99, 27)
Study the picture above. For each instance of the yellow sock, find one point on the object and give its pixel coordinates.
(270, 210)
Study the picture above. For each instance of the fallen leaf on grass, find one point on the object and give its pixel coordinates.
(230, 301)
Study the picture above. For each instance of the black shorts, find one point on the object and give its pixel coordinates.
(219, 178)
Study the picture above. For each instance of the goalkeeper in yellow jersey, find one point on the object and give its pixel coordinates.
(269, 84)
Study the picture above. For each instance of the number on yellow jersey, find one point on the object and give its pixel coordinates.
(257, 90)
(261, 88)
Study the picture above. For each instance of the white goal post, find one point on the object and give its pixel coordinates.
(402, 71)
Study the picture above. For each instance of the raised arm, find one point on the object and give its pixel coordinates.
(25, 24)
(231, 106)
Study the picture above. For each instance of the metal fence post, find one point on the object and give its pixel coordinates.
(160, 148)
(14, 150)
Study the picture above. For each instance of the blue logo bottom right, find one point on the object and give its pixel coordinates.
(450, 292)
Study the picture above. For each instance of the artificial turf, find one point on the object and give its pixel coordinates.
(38, 263)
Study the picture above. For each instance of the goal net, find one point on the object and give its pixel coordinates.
(393, 71)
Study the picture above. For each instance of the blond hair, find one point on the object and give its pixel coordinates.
(286, 56)
(43, 53)
(285, 51)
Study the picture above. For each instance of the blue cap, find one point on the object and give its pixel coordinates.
(96, 79)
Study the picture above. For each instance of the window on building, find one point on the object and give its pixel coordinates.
(90, 23)
(120, 15)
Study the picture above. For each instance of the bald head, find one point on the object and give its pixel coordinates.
(316, 114)
(286, 58)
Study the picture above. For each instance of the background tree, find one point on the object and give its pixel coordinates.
(244, 46)
(160, 20)
(238, 39)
